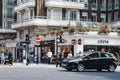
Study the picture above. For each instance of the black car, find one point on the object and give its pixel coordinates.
(91, 60)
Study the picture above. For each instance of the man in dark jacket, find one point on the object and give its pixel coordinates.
(61, 57)
(10, 58)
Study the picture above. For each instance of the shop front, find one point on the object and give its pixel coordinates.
(10, 47)
(66, 48)
(86, 43)
(42, 49)
(19, 52)
(70, 45)
(76, 44)
(104, 44)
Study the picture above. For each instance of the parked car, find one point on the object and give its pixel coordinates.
(91, 60)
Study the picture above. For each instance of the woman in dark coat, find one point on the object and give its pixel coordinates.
(10, 58)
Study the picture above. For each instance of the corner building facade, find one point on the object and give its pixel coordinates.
(7, 35)
(46, 17)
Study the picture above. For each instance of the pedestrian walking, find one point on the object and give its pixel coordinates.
(70, 55)
(49, 55)
(61, 57)
(2, 58)
(10, 58)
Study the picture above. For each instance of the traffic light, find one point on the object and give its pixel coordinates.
(27, 39)
(24, 45)
(60, 39)
(79, 41)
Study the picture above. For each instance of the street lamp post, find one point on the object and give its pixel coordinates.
(27, 48)
(37, 57)
(56, 42)
(38, 43)
(58, 39)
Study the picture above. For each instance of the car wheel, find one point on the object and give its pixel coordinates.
(80, 67)
(99, 69)
(111, 68)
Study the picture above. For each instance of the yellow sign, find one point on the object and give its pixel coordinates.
(2, 49)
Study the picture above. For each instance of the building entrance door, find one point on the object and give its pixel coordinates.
(41, 51)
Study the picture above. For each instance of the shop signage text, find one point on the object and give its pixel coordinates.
(103, 41)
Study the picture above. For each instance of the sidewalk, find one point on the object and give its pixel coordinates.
(32, 65)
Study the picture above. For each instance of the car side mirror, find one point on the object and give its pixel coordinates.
(86, 58)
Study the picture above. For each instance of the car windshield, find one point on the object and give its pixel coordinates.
(81, 55)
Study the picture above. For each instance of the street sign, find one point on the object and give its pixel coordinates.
(37, 40)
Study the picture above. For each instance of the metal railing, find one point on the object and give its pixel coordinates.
(82, 21)
(24, 1)
(77, 1)
(45, 17)
(11, 3)
(38, 17)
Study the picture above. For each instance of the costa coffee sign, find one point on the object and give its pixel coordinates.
(103, 41)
